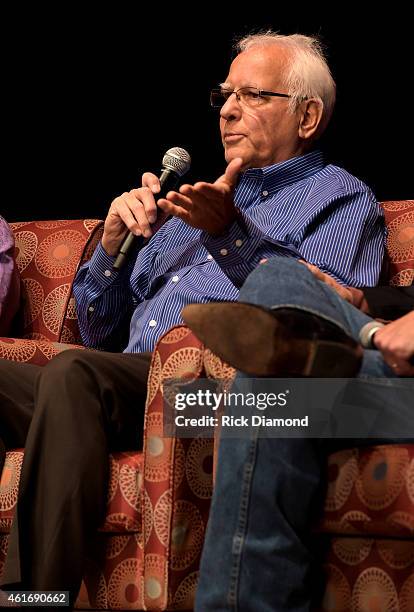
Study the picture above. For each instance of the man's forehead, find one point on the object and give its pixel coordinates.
(256, 64)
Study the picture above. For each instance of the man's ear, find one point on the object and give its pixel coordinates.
(310, 115)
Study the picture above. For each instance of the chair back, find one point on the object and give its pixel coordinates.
(48, 255)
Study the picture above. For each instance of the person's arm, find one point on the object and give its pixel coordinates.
(345, 238)
(236, 243)
(104, 300)
(382, 302)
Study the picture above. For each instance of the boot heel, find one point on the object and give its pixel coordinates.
(333, 360)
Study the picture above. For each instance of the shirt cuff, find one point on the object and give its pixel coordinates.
(237, 245)
(101, 267)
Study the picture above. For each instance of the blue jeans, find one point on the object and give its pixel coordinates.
(258, 554)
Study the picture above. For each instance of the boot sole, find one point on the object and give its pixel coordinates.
(279, 354)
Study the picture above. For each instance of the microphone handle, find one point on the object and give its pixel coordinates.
(168, 181)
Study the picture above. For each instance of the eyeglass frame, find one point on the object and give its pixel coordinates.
(261, 93)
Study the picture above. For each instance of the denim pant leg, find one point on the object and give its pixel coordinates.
(282, 282)
(256, 554)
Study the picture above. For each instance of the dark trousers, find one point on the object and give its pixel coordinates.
(68, 415)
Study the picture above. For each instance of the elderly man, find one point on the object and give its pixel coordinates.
(276, 197)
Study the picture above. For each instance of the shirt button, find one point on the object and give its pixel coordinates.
(107, 272)
(209, 257)
(175, 279)
(152, 323)
(265, 193)
(238, 242)
(91, 308)
(223, 252)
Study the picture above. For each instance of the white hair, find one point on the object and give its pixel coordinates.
(307, 74)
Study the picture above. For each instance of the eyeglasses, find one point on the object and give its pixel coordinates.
(247, 96)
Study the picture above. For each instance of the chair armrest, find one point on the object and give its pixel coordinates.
(177, 480)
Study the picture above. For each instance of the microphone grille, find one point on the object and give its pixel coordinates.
(178, 160)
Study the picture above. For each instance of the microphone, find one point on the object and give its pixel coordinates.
(367, 332)
(175, 163)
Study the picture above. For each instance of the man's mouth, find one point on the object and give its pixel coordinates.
(232, 137)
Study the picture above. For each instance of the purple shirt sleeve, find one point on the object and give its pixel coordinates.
(9, 279)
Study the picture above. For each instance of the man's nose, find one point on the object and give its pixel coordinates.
(231, 108)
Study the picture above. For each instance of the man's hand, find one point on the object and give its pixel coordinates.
(396, 343)
(132, 211)
(342, 291)
(207, 206)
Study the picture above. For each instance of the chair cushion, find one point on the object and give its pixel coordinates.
(369, 574)
(371, 492)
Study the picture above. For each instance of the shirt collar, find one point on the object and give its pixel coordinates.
(287, 172)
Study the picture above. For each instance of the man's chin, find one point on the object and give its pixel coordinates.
(232, 153)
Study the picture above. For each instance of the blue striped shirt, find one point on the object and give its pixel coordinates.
(297, 208)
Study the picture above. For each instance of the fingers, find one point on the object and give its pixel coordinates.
(141, 223)
(316, 271)
(207, 190)
(400, 367)
(393, 349)
(151, 181)
(137, 209)
(183, 199)
(145, 197)
(231, 174)
(233, 171)
(394, 343)
(173, 209)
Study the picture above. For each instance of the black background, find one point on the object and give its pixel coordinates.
(94, 100)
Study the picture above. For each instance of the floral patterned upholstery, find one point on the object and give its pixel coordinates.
(178, 479)
(123, 514)
(367, 574)
(148, 550)
(48, 255)
(399, 217)
(370, 509)
(113, 576)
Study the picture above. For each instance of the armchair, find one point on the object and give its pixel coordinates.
(48, 254)
(148, 550)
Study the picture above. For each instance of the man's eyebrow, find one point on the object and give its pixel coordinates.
(229, 86)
